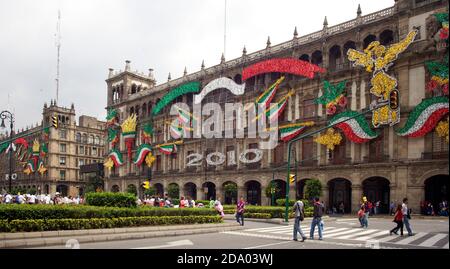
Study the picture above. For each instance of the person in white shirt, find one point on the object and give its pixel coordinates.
(21, 199)
(8, 198)
(32, 199)
(406, 216)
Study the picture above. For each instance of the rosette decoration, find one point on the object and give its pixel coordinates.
(113, 137)
(266, 97)
(111, 117)
(191, 87)
(333, 96)
(129, 132)
(147, 132)
(425, 116)
(439, 75)
(443, 19)
(141, 153)
(357, 129)
(442, 129)
(330, 139)
(114, 159)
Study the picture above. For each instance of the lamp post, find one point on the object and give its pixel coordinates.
(9, 116)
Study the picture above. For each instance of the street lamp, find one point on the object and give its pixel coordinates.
(9, 116)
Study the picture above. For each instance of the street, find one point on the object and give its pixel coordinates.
(342, 233)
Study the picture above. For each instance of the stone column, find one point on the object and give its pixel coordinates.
(200, 193)
(325, 196)
(356, 197)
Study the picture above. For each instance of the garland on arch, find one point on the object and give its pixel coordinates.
(190, 87)
(425, 116)
(357, 129)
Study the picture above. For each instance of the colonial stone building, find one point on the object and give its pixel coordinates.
(71, 145)
(387, 168)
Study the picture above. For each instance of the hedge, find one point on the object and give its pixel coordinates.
(15, 211)
(100, 223)
(282, 202)
(257, 215)
(115, 199)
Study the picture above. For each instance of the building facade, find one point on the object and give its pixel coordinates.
(387, 168)
(70, 146)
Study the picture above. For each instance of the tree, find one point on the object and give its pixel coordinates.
(313, 188)
(94, 183)
(132, 189)
(230, 192)
(150, 191)
(173, 190)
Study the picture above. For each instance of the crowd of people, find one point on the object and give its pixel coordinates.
(47, 199)
(428, 209)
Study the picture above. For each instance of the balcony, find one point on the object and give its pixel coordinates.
(253, 165)
(375, 158)
(435, 155)
(340, 161)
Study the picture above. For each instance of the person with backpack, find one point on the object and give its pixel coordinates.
(317, 218)
(398, 218)
(299, 210)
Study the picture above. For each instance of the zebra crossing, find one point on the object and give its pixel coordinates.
(358, 235)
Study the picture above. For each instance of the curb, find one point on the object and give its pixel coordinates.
(37, 239)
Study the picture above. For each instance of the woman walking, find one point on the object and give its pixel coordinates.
(398, 218)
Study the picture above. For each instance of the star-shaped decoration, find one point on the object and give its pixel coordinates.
(329, 139)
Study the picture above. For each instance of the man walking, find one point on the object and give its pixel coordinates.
(406, 216)
(240, 208)
(366, 212)
(299, 210)
(317, 218)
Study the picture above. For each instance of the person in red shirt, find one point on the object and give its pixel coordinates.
(398, 218)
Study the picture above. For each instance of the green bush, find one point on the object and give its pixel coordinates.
(173, 191)
(313, 188)
(175, 201)
(22, 212)
(204, 202)
(282, 202)
(257, 215)
(31, 225)
(116, 199)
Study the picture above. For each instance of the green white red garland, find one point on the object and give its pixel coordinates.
(116, 157)
(141, 153)
(357, 129)
(425, 116)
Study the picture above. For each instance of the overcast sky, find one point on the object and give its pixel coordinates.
(164, 35)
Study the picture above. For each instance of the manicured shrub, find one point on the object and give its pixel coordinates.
(282, 202)
(175, 201)
(257, 215)
(31, 225)
(22, 212)
(116, 199)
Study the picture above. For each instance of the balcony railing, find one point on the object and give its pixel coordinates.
(375, 158)
(336, 161)
(435, 155)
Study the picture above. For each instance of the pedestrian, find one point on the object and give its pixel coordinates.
(406, 216)
(317, 218)
(366, 212)
(299, 211)
(181, 203)
(361, 216)
(240, 209)
(391, 208)
(218, 206)
(398, 218)
(211, 202)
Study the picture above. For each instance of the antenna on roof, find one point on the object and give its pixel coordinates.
(58, 47)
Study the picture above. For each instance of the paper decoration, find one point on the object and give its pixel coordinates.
(147, 132)
(439, 75)
(377, 58)
(3, 146)
(141, 153)
(330, 139)
(46, 134)
(44, 150)
(150, 159)
(425, 116)
(191, 87)
(111, 117)
(169, 148)
(266, 97)
(30, 167)
(219, 83)
(274, 111)
(129, 132)
(282, 65)
(41, 168)
(22, 147)
(442, 129)
(116, 157)
(113, 137)
(356, 130)
(333, 96)
(289, 131)
(443, 19)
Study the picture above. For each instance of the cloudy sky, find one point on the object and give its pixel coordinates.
(164, 35)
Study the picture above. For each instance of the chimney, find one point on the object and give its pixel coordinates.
(127, 65)
(111, 72)
(150, 73)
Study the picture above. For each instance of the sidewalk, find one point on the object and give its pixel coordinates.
(51, 238)
(385, 216)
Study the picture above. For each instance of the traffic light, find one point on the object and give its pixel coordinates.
(146, 185)
(55, 122)
(292, 178)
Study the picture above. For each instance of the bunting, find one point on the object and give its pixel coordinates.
(141, 153)
(266, 97)
(357, 129)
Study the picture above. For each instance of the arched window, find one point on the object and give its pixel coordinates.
(131, 110)
(316, 57)
(238, 79)
(369, 39)
(85, 138)
(334, 57)
(133, 89)
(386, 37)
(78, 137)
(304, 57)
(348, 45)
(150, 107)
(91, 139)
(97, 140)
